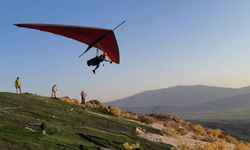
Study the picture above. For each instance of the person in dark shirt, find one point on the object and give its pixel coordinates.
(96, 61)
(83, 97)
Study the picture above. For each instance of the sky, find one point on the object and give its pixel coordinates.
(163, 43)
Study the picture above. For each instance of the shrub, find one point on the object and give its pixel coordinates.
(147, 119)
(159, 116)
(167, 124)
(186, 124)
(171, 132)
(75, 101)
(69, 100)
(115, 111)
(93, 104)
(130, 115)
(231, 139)
(215, 132)
(89, 105)
(104, 108)
(199, 129)
(170, 117)
(182, 131)
(66, 100)
(127, 146)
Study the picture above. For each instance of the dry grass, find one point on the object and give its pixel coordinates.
(147, 119)
(171, 132)
(115, 111)
(69, 100)
(182, 131)
(242, 146)
(130, 115)
(199, 129)
(184, 146)
(127, 146)
(230, 139)
(89, 106)
(104, 108)
(220, 145)
(215, 132)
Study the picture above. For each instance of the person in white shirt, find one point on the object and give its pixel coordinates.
(54, 91)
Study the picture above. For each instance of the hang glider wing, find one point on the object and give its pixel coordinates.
(103, 39)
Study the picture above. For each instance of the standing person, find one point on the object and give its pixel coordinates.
(83, 97)
(54, 91)
(18, 86)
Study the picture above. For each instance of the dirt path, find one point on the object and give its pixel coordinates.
(8, 108)
(108, 116)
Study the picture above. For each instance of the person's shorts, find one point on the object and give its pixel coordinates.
(19, 87)
(93, 62)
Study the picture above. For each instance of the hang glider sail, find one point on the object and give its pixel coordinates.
(103, 39)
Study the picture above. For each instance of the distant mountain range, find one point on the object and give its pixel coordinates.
(187, 99)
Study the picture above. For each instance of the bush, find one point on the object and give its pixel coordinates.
(130, 115)
(127, 146)
(199, 129)
(170, 117)
(168, 124)
(159, 116)
(182, 131)
(69, 100)
(89, 106)
(231, 139)
(75, 101)
(104, 108)
(115, 111)
(186, 124)
(215, 132)
(171, 132)
(147, 119)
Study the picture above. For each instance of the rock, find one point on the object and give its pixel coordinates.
(44, 132)
(28, 128)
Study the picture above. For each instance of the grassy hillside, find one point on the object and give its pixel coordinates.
(67, 126)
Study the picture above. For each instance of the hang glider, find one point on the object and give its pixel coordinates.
(102, 39)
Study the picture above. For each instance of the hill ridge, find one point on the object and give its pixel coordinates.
(179, 96)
